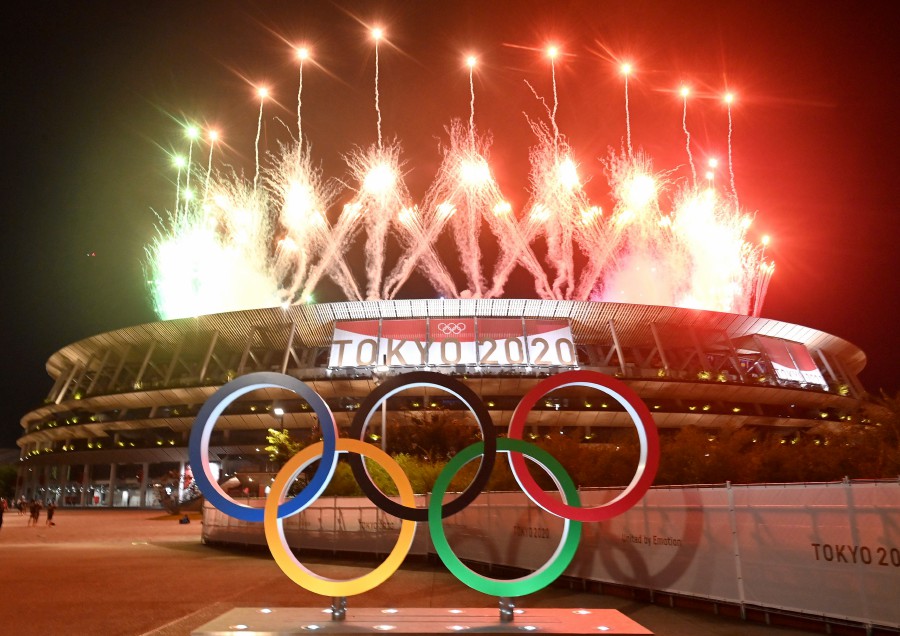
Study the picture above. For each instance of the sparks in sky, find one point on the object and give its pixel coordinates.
(262, 93)
(729, 99)
(471, 61)
(214, 258)
(377, 34)
(626, 71)
(663, 241)
(213, 137)
(302, 55)
(685, 91)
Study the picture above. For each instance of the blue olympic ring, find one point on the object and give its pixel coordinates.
(198, 451)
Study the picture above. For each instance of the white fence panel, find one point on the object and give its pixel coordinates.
(676, 540)
(828, 550)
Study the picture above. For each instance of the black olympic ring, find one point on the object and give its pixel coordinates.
(468, 397)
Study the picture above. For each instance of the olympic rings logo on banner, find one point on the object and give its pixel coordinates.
(277, 507)
(451, 328)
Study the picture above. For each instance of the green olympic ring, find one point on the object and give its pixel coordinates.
(543, 576)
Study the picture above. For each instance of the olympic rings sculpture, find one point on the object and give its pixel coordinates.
(277, 507)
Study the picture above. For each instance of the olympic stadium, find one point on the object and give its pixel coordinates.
(117, 419)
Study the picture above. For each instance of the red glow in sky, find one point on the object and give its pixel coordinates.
(98, 95)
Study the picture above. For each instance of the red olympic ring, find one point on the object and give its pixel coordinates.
(648, 461)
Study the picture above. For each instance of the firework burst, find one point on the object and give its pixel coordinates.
(272, 240)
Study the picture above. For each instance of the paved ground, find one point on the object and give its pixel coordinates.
(134, 572)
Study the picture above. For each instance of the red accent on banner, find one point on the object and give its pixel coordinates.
(538, 326)
(499, 328)
(404, 329)
(368, 328)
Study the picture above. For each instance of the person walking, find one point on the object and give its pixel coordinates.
(51, 508)
(35, 512)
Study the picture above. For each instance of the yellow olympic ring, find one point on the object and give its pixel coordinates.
(274, 527)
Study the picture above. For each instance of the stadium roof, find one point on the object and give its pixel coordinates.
(590, 323)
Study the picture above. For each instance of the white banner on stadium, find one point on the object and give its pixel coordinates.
(452, 341)
(791, 361)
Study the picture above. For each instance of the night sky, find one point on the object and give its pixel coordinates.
(95, 95)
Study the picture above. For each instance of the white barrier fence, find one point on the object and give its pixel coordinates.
(830, 550)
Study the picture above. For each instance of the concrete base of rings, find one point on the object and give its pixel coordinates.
(284, 621)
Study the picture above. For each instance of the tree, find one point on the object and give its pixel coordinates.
(8, 476)
(435, 436)
(883, 413)
(866, 447)
(281, 446)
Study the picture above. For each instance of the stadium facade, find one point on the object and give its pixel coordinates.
(115, 425)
